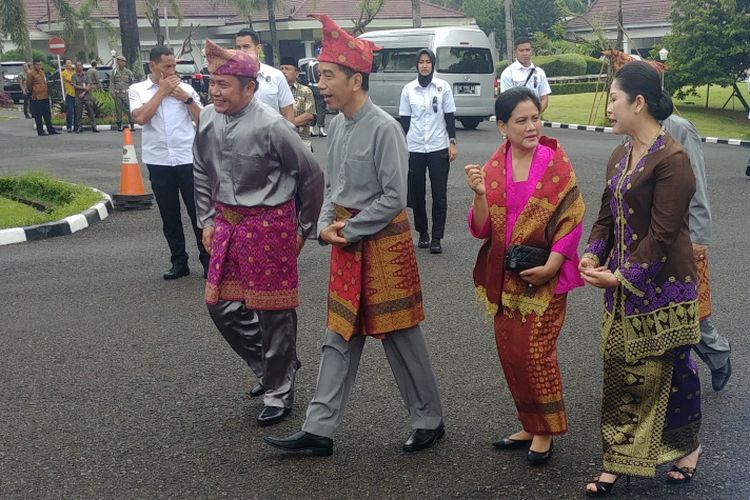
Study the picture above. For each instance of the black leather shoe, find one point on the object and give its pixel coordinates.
(435, 246)
(747, 171)
(272, 415)
(302, 442)
(720, 377)
(176, 272)
(424, 240)
(257, 390)
(506, 443)
(95, 130)
(536, 458)
(423, 438)
(54, 132)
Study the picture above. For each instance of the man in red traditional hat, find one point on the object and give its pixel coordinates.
(248, 164)
(374, 287)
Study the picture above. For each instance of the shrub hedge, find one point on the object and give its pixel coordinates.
(574, 88)
(562, 65)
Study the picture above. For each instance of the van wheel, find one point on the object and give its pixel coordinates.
(470, 123)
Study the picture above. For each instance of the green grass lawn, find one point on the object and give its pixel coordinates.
(12, 211)
(63, 199)
(712, 122)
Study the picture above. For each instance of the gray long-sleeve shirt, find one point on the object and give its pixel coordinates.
(700, 214)
(368, 163)
(254, 159)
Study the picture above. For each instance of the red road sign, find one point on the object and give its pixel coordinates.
(56, 46)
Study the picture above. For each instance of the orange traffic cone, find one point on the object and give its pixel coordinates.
(132, 195)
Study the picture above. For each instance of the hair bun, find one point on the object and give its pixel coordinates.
(665, 107)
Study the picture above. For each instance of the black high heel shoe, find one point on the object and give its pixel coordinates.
(604, 488)
(687, 472)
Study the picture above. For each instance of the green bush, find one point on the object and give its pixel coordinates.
(562, 65)
(104, 103)
(60, 199)
(574, 88)
(500, 66)
(594, 65)
(18, 55)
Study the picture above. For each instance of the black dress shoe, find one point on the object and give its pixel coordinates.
(272, 415)
(423, 438)
(424, 240)
(302, 442)
(720, 377)
(506, 443)
(95, 130)
(257, 390)
(54, 132)
(176, 272)
(435, 246)
(537, 458)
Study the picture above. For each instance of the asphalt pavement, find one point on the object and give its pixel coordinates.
(115, 384)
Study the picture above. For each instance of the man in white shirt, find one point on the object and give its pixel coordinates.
(523, 73)
(427, 116)
(167, 108)
(273, 89)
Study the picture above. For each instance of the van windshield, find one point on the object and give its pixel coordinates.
(464, 60)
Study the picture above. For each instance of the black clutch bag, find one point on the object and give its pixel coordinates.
(521, 257)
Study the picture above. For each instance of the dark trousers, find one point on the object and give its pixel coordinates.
(320, 108)
(40, 110)
(438, 165)
(87, 104)
(168, 183)
(26, 106)
(71, 116)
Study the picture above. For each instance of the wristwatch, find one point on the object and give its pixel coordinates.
(452, 141)
(189, 101)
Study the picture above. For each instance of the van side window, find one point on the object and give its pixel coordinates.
(377, 62)
(464, 60)
(399, 60)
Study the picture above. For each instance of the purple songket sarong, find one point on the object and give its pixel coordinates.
(254, 257)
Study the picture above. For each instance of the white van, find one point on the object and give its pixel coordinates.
(464, 60)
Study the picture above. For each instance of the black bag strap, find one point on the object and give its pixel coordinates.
(531, 73)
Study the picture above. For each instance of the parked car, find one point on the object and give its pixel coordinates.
(463, 59)
(10, 71)
(189, 73)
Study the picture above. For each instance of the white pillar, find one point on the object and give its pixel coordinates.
(309, 48)
(626, 45)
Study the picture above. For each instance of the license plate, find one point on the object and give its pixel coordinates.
(466, 88)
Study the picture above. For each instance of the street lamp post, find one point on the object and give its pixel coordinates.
(663, 54)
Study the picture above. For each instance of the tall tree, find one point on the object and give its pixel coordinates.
(530, 16)
(368, 9)
(274, 33)
(13, 25)
(708, 44)
(508, 11)
(416, 13)
(129, 37)
(245, 8)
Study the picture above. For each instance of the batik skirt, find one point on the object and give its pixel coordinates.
(528, 354)
(651, 410)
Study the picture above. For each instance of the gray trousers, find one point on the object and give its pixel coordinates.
(407, 354)
(713, 348)
(266, 341)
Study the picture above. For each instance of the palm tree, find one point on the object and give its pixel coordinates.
(151, 10)
(84, 31)
(245, 8)
(13, 25)
(129, 37)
